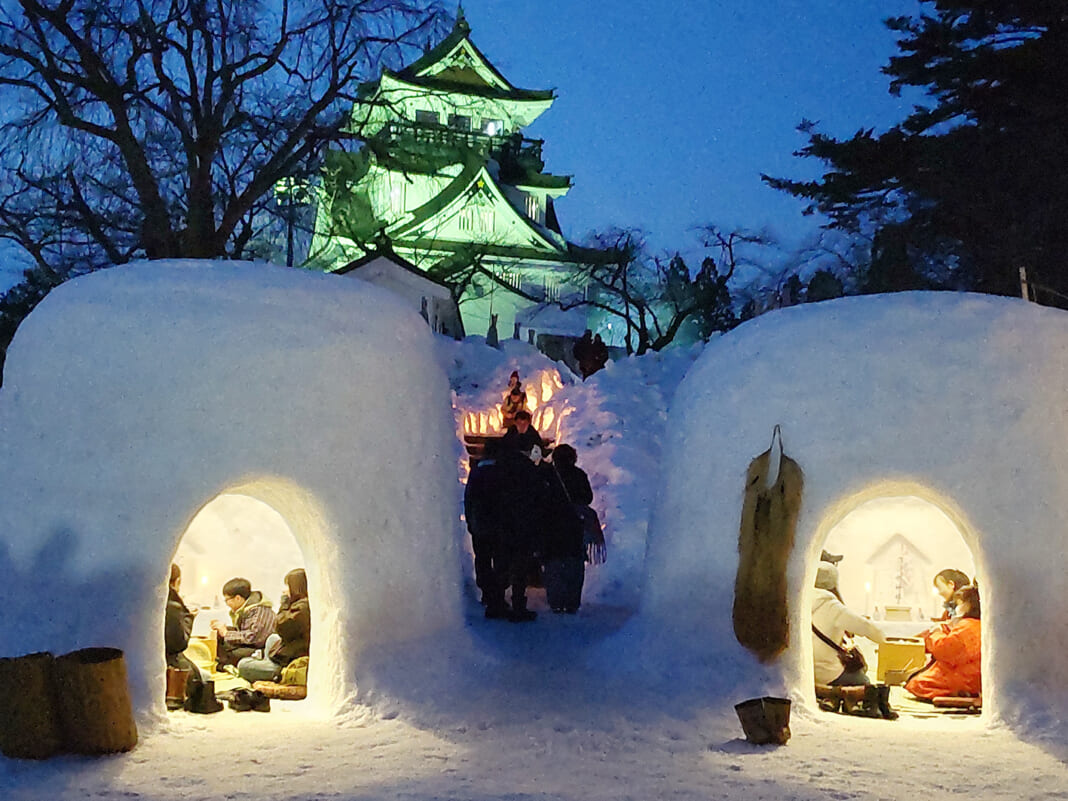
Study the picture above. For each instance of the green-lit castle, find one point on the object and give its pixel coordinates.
(444, 179)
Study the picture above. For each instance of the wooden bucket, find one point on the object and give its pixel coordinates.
(765, 720)
(93, 701)
(29, 727)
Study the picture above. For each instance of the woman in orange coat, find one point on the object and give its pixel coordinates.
(955, 648)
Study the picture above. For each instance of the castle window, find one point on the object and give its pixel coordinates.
(461, 122)
(492, 127)
(533, 208)
(511, 277)
(424, 117)
(552, 289)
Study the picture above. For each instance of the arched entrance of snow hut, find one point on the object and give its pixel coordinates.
(261, 530)
(893, 538)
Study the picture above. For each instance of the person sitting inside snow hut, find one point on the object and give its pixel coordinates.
(946, 584)
(955, 648)
(292, 633)
(522, 436)
(832, 619)
(252, 620)
(177, 626)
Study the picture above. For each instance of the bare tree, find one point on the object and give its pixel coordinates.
(158, 128)
(654, 296)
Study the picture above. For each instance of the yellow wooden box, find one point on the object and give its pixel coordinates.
(203, 651)
(903, 654)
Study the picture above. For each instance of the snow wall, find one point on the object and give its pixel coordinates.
(134, 396)
(961, 400)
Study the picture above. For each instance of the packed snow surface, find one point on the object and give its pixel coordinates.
(631, 698)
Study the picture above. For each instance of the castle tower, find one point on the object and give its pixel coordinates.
(444, 178)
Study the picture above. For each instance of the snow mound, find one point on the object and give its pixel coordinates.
(955, 399)
(135, 395)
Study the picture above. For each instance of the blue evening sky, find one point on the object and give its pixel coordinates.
(667, 112)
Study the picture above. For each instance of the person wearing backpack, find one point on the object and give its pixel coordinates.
(565, 550)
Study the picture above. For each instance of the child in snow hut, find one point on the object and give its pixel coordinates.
(292, 633)
(252, 619)
(946, 583)
(955, 647)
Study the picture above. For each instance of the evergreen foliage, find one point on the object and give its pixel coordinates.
(654, 297)
(824, 285)
(20, 300)
(973, 184)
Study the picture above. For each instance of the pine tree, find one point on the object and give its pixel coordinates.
(976, 176)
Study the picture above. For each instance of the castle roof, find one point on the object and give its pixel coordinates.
(457, 65)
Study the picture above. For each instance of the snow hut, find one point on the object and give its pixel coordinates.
(957, 400)
(135, 396)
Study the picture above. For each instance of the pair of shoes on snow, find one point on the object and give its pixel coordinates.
(565, 610)
(522, 615)
(244, 700)
(495, 612)
(863, 700)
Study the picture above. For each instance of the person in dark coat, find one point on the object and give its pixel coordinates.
(522, 436)
(520, 499)
(481, 514)
(565, 552)
(292, 633)
(583, 353)
(599, 354)
(177, 626)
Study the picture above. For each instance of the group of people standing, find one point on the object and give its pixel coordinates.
(590, 352)
(523, 512)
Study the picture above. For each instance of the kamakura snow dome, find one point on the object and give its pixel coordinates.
(135, 395)
(957, 399)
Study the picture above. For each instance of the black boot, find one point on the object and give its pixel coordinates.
(202, 701)
(870, 707)
(884, 702)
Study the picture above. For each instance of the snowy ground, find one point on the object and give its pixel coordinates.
(519, 713)
(529, 723)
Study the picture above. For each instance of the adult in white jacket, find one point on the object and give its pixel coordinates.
(833, 618)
